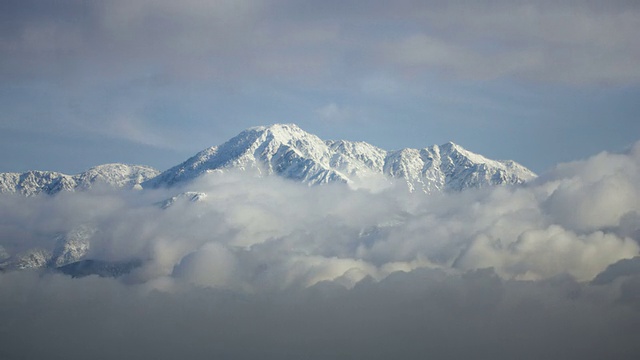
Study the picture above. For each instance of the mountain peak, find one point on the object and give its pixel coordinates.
(451, 145)
(454, 150)
(280, 149)
(276, 128)
(283, 133)
(288, 151)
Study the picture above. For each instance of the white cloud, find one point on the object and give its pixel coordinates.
(135, 129)
(212, 265)
(540, 254)
(334, 113)
(380, 85)
(269, 232)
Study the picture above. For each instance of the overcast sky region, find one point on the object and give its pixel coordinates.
(152, 82)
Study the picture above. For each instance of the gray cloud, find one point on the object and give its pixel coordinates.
(407, 315)
(568, 42)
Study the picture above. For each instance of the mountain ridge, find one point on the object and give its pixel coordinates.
(290, 152)
(287, 151)
(114, 175)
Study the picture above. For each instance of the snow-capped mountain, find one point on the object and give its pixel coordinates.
(68, 256)
(72, 246)
(50, 182)
(34, 258)
(285, 150)
(115, 175)
(288, 151)
(4, 255)
(189, 196)
(68, 248)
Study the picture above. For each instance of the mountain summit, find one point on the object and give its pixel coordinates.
(286, 150)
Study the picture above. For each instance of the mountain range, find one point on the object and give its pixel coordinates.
(287, 151)
(282, 150)
(50, 182)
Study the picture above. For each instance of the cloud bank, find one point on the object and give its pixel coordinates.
(263, 267)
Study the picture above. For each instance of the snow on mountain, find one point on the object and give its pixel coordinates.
(35, 182)
(72, 246)
(451, 167)
(35, 258)
(288, 151)
(68, 256)
(189, 196)
(50, 182)
(115, 175)
(4, 254)
(284, 150)
(68, 248)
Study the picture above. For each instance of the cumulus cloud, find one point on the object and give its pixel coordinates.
(257, 233)
(271, 268)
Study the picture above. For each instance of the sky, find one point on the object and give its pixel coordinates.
(84, 83)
